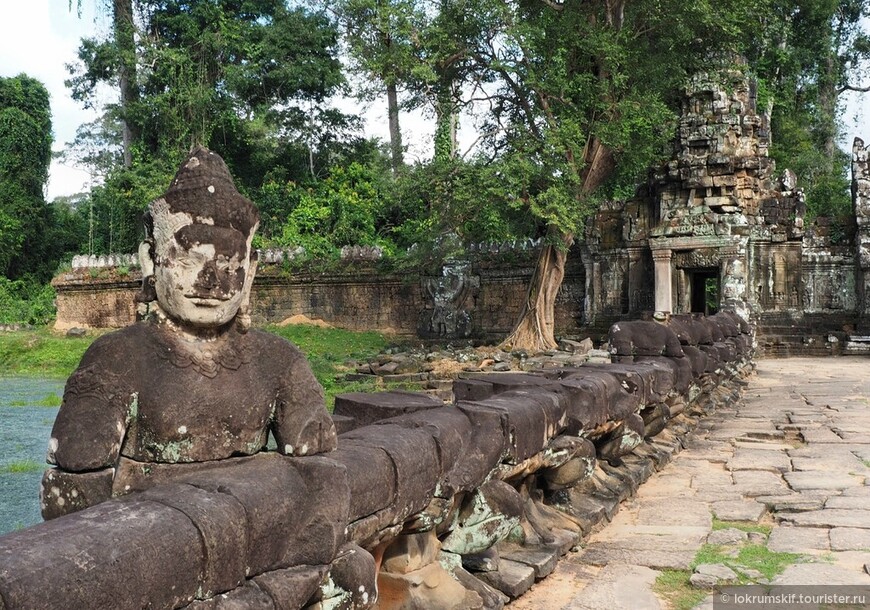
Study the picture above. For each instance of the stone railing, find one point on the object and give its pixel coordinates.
(423, 505)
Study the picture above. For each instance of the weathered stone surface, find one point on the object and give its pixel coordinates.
(430, 587)
(247, 597)
(154, 535)
(749, 459)
(485, 561)
(292, 587)
(719, 571)
(831, 517)
(800, 481)
(819, 573)
(221, 522)
(849, 539)
(65, 492)
(603, 554)
(739, 510)
(364, 465)
(618, 587)
(512, 578)
(485, 518)
(727, 536)
(541, 559)
(369, 407)
(411, 552)
(798, 539)
(754, 483)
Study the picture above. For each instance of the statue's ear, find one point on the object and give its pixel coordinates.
(146, 258)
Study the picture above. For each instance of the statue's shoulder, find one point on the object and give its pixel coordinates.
(116, 347)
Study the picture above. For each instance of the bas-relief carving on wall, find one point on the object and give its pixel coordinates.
(450, 301)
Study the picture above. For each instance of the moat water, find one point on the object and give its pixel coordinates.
(25, 427)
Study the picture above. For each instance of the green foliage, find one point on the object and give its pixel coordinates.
(23, 302)
(25, 155)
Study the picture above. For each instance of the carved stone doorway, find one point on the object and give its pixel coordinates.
(704, 290)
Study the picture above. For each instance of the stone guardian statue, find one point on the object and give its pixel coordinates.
(190, 383)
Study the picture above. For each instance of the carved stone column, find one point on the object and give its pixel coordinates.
(664, 297)
(861, 208)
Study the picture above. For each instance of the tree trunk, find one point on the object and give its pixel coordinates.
(535, 331)
(395, 132)
(445, 123)
(122, 19)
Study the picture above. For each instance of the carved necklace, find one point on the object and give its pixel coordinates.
(204, 357)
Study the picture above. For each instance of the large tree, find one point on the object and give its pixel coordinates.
(583, 99)
(25, 156)
(246, 77)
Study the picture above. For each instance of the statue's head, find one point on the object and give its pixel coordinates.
(199, 254)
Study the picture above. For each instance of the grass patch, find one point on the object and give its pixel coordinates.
(41, 352)
(49, 400)
(328, 349)
(743, 526)
(22, 467)
(675, 588)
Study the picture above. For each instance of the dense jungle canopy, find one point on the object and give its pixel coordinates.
(572, 102)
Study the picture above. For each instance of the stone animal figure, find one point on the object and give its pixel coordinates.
(190, 383)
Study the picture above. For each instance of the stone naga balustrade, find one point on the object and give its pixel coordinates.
(423, 505)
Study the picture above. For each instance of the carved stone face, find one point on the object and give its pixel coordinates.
(201, 273)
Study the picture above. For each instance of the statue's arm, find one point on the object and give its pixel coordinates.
(302, 425)
(93, 418)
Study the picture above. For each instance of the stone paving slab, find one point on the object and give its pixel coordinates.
(739, 510)
(850, 539)
(798, 539)
(759, 459)
(811, 479)
(830, 517)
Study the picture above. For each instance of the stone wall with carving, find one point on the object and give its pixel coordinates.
(472, 300)
(422, 505)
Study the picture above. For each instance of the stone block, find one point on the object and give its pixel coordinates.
(512, 578)
(472, 389)
(64, 492)
(353, 576)
(221, 522)
(429, 588)
(88, 568)
(449, 427)
(489, 445)
(343, 423)
(291, 588)
(415, 462)
(542, 559)
(370, 475)
(531, 418)
(273, 496)
(368, 407)
(798, 539)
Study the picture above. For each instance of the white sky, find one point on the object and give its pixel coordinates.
(39, 37)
